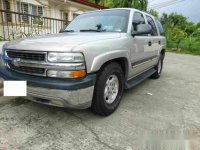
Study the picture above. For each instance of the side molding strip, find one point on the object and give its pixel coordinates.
(143, 60)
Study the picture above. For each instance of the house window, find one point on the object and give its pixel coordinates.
(24, 9)
(66, 16)
(34, 10)
(29, 9)
(40, 11)
(6, 6)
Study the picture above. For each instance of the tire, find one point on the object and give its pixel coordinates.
(106, 99)
(158, 68)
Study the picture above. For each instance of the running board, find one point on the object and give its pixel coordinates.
(138, 79)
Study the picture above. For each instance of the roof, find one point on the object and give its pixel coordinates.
(131, 9)
(85, 2)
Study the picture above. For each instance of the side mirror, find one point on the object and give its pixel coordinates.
(142, 29)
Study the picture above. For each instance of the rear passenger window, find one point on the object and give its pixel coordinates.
(138, 18)
(160, 27)
(152, 24)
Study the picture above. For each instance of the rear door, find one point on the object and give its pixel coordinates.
(154, 43)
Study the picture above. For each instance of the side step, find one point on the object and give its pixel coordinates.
(138, 79)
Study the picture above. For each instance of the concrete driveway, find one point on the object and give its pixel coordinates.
(163, 113)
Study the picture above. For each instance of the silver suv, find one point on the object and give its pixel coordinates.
(91, 62)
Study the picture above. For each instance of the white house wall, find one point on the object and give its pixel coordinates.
(52, 9)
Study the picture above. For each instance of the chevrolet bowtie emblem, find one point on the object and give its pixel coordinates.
(16, 62)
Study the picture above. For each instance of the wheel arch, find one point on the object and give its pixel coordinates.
(121, 57)
(163, 52)
(122, 61)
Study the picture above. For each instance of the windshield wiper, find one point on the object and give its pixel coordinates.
(91, 30)
(68, 31)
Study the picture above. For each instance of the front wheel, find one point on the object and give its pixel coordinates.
(108, 89)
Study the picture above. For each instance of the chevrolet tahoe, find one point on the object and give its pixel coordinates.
(90, 62)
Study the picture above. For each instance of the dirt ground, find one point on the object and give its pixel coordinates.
(161, 114)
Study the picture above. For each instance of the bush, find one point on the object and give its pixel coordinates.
(188, 45)
(193, 48)
(1, 38)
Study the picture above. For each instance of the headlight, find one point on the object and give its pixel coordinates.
(71, 59)
(65, 57)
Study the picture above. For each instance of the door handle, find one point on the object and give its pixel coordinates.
(149, 43)
(159, 42)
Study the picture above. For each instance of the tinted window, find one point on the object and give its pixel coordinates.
(138, 18)
(104, 21)
(152, 24)
(160, 27)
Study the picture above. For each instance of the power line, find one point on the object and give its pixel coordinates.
(151, 1)
(165, 4)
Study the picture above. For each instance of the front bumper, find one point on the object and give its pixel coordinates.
(79, 99)
(72, 93)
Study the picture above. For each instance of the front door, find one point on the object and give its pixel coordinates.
(140, 46)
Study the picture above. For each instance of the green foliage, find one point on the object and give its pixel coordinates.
(1, 38)
(138, 4)
(37, 21)
(181, 34)
(154, 13)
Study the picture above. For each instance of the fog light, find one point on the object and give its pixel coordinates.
(66, 74)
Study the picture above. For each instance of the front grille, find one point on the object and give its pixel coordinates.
(29, 70)
(26, 55)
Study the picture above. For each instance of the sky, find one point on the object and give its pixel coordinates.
(188, 8)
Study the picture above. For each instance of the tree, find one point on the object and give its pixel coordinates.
(154, 13)
(174, 20)
(178, 36)
(137, 4)
(175, 27)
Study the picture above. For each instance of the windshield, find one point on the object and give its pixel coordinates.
(100, 21)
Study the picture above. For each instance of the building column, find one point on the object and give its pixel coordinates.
(13, 8)
(70, 17)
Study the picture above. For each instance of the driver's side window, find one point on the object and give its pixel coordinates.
(138, 18)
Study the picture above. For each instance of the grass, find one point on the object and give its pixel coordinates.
(186, 47)
(184, 51)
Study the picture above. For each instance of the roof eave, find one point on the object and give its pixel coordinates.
(89, 4)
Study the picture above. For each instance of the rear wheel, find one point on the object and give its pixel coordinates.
(158, 68)
(108, 89)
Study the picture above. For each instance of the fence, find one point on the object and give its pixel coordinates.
(14, 25)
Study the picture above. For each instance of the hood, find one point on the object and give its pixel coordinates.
(59, 42)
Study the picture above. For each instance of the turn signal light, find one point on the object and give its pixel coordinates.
(66, 74)
(78, 74)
